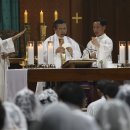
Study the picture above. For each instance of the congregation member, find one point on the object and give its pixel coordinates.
(58, 116)
(109, 90)
(124, 93)
(14, 118)
(29, 105)
(47, 96)
(114, 115)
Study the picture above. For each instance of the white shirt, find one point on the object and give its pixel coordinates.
(73, 44)
(93, 107)
(104, 51)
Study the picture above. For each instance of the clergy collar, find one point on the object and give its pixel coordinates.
(102, 36)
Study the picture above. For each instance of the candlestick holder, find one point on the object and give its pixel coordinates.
(43, 28)
(26, 36)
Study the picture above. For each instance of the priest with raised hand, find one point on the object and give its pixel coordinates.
(62, 44)
(100, 47)
(6, 47)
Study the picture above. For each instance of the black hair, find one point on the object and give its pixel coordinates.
(101, 85)
(102, 21)
(111, 89)
(2, 116)
(58, 21)
(72, 93)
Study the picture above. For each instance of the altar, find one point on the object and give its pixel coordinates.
(78, 74)
(29, 76)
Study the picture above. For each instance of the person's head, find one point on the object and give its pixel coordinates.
(2, 116)
(14, 119)
(73, 94)
(114, 115)
(47, 96)
(60, 28)
(58, 116)
(124, 93)
(101, 84)
(99, 26)
(111, 89)
(27, 102)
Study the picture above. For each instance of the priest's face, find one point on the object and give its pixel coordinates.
(61, 30)
(98, 29)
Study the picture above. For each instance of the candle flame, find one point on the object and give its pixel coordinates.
(55, 15)
(40, 45)
(41, 11)
(122, 45)
(30, 45)
(50, 44)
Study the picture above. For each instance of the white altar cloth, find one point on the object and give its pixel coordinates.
(16, 80)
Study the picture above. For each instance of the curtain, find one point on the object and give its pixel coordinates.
(9, 16)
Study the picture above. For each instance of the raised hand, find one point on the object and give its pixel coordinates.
(19, 34)
(95, 42)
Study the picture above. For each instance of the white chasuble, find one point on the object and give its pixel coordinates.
(6, 46)
(68, 42)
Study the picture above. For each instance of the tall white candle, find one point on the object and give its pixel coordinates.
(50, 53)
(122, 52)
(31, 54)
(40, 53)
(128, 51)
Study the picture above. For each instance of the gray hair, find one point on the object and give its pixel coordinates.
(124, 93)
(114, 115)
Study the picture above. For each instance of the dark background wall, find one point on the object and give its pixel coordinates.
(115, 11)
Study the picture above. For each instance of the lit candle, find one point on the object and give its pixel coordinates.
(41, 17)
(30, 53)
(50, 53)
(40, 52)
(55, 15)
(122, 51)
(25, 16)
(128, 51)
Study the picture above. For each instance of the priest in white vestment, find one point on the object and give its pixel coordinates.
(62, 44)
(6, 47)
(101, 46)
